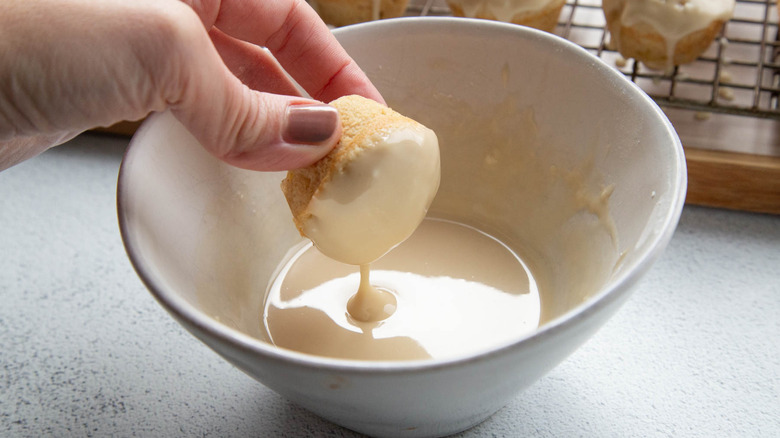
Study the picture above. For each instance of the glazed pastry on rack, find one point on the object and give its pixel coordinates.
(664, 33)
(344, 12)
(372, 190)
(539, 14)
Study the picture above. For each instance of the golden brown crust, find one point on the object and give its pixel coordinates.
(363, 123)
(544, 19)
(344, 12)
(643, 43)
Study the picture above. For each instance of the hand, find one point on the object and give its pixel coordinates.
(67, 66)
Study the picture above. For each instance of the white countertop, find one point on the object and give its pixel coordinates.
(86, 351)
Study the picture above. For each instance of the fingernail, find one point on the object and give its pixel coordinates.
(310, 124)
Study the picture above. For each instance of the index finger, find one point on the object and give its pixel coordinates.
(299, 40)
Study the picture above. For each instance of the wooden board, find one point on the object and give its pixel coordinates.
(732, 180)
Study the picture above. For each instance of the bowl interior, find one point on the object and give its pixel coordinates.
(542, 145)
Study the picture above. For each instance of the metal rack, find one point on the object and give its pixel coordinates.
(738, 75)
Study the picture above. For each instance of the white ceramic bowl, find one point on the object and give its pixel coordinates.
(542, 144)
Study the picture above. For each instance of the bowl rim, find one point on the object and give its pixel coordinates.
(191, 317)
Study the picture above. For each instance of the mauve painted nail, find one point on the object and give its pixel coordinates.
(310, 124)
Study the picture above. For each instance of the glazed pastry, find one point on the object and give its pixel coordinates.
(539, 14)
(372, 190)
(664, 33)
(344, 12)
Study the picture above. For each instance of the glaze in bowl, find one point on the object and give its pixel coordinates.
(543, 146)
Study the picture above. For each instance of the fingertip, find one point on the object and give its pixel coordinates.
(310, 132)
(311, 124)
(305, 132)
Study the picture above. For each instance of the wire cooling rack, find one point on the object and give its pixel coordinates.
(738, 75)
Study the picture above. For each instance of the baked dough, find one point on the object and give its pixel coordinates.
(372, 190)
(344, 12)
(664, 33)
(539, 14)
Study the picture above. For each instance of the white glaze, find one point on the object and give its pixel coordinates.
(378, 199)
(458, 291)
(673, 19)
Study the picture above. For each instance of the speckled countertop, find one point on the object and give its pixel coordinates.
(86, 351)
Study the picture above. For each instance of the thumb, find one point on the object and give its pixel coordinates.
(244, 127)
(267, 132)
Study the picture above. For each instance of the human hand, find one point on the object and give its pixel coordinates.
(67, 66)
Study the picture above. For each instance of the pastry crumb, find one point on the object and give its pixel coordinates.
(726, 93)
